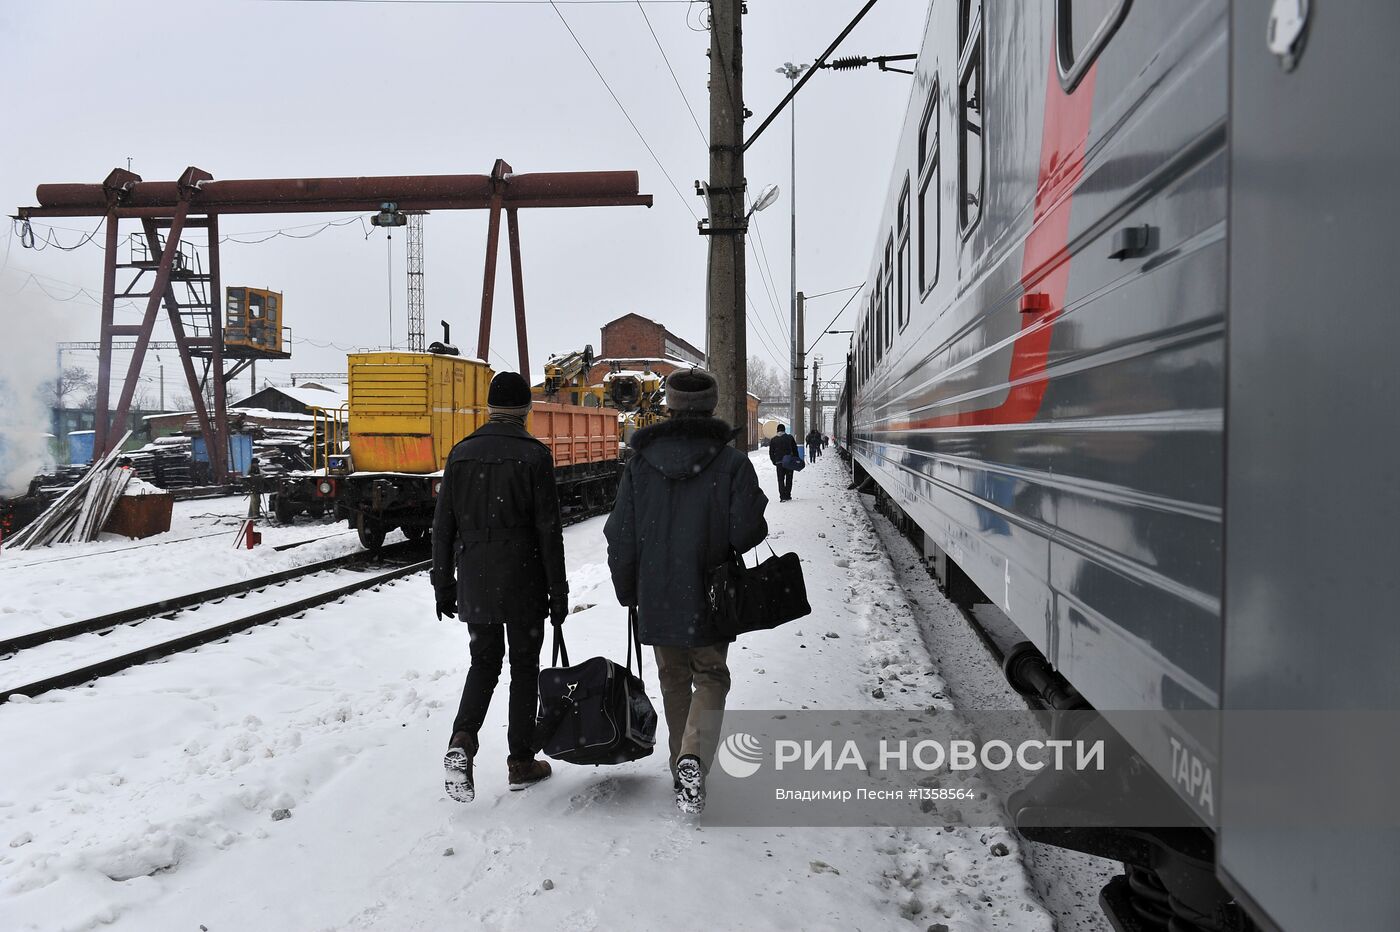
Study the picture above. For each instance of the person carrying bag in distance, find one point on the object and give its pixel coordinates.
(498, 561)
(686, 501)
(782, 450)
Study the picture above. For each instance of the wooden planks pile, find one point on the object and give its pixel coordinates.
(79, 513)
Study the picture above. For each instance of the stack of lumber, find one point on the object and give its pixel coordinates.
(79, 513)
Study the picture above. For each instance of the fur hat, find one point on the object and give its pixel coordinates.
(691, 391)
(509, 392)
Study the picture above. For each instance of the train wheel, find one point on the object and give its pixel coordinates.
(416, 535)
(371, 535)
(316, 509)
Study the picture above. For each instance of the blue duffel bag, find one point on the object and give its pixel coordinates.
(794, 463)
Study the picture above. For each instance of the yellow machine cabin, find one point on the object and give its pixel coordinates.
(407, 410)
(253, 320)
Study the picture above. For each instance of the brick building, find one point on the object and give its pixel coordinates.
(634, 342)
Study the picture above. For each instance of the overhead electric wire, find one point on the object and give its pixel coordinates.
(766, 280)
(755, 318)
(833, 319)
(685, 100)
(823, 294)
(560, 13)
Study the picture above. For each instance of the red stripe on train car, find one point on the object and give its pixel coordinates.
(1045, 261)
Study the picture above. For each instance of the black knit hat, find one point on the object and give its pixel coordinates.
(508, 390)
(691, 391)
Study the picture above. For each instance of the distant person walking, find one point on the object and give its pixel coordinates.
(686, 499)
(814, 444)
(498, 561)
(781, 446)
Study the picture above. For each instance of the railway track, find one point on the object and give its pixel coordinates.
(400, 562)
(403, 559)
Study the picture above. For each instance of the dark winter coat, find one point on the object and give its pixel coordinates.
(686, 498)
(497, 530)
(814, 439)
(780, 446)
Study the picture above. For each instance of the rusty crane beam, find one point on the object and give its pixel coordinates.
(196, 200)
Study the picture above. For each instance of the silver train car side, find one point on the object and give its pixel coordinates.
(1128, 328)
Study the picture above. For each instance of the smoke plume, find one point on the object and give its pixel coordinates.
(27, 367)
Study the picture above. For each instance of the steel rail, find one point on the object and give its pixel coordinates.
(178, 603)
(205, 636)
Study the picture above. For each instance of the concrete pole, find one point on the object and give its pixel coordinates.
(726, 339)
(799, 395)
(816, 395)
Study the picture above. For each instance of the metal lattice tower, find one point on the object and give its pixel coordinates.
(415, 282)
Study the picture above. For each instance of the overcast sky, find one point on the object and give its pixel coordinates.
(278, 88)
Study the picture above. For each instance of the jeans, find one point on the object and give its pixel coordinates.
(694, 683)
(784, 483)
(488, 652)
(813, 451)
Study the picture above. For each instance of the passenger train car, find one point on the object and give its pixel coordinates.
(1124, 367)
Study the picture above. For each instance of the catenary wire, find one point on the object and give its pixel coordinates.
(685, 203)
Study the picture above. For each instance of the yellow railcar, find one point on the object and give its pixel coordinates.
(404, 414)
(407, 410)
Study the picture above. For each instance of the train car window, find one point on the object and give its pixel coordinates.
(889, 290)
(1082, 29)
(971, 157)
(902, 276)
(879, 318)
(928, 195)
(968, 10)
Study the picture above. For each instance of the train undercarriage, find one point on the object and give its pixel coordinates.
(376, 504)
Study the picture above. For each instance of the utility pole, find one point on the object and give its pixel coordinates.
(799, 394)
(817, 395)
(725, 325)
(796, 367)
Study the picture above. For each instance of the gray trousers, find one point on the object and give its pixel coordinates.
(694, 684)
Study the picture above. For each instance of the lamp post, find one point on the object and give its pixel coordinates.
(796, 366)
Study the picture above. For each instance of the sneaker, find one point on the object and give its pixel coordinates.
(690, 785)
(457, 764)
(526, 771)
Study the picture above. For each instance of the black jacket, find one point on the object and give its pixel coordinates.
(686, 498)
(497, 529)
(814, 438)
(780, 446)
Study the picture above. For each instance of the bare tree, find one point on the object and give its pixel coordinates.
(765, 381)
(73, 384)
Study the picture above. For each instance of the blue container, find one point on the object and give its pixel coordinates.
(80, 447)
(240, 452)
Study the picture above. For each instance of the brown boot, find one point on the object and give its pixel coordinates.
(525, 772)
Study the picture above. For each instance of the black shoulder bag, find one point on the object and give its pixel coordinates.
(595, 712)
(744, 599)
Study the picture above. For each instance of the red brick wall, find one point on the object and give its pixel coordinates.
(633, 338)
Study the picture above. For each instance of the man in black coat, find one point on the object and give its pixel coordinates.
(686, 499)
(498, 561)
(781, 446)
(814, 444)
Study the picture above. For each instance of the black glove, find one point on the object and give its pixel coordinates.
(558, 609)
(446, 601)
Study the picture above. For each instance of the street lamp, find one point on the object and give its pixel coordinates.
(796, 364)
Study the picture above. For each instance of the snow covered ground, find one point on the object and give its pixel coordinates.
(289, 778)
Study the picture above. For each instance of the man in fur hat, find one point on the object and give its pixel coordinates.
(686, 498)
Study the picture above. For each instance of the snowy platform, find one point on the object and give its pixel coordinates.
(289, 778)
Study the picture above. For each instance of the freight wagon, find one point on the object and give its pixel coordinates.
(379, 458)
